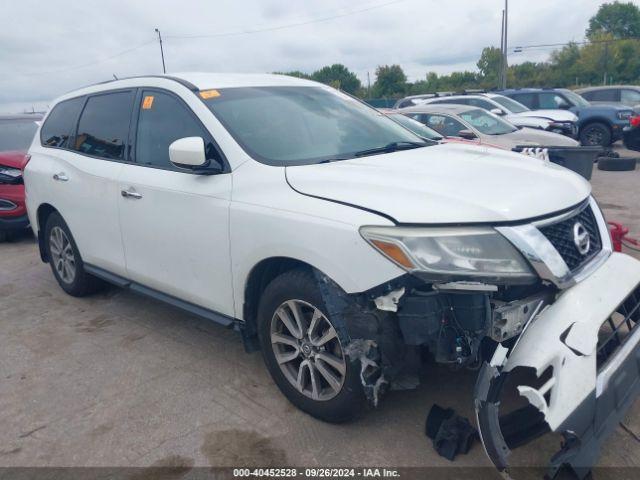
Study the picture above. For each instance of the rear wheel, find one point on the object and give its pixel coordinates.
(595, 134)
(303, 351)
(65, 260)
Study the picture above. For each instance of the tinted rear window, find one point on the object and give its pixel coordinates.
(103, 129)
(60, 122)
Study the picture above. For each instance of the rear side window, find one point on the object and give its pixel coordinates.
(59, 124)
(164, 119)
(609, 95)
(527, 99)
(103, 129)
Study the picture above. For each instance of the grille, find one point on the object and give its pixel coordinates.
(561, 237)
(615, 329)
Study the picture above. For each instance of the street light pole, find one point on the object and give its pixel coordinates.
(164, 69)
(504, 58)
(501, 50)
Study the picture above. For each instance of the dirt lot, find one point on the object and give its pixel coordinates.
(121, 380)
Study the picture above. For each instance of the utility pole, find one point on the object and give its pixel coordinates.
(164, 69)
(368, 85)
(504, 56)
(501, 50)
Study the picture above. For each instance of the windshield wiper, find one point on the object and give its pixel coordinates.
(390, 147)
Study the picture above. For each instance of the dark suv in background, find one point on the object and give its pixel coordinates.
(621, 95)
(597, 124)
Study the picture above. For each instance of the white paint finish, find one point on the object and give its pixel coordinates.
(176, 237)
(188, 151)
(450, 183)
(87, 201)
(269, 219)
(586, 306)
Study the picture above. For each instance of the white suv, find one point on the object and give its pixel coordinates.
(343, 246)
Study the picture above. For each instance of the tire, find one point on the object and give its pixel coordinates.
(617, 164)
(299, 288)
(62, 250)
(595, 134)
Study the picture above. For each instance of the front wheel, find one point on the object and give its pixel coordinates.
(595, 134)
(303, 352)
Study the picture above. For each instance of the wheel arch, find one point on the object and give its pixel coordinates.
(44, 211)
(257, 280)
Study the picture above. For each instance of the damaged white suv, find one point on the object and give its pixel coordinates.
(345, 247)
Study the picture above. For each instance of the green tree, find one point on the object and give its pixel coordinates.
(621, 20)
(338, 76)
(295, 73)
(489, 65)
(390, 81)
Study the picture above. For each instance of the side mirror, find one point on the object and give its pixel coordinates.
(188, 152)
(467, 134)
(497, 111)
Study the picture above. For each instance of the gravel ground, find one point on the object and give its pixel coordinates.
(121, 380)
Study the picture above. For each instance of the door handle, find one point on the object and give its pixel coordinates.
(60, 177)
(129, 194)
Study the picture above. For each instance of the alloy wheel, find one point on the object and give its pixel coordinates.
(64, 260)
(307, 349)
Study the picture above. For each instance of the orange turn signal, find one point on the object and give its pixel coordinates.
(394, 252)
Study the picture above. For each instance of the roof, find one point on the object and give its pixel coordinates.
(606, 87)
(451, 108)
(528, 90)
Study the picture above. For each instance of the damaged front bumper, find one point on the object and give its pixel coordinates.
(582, 354)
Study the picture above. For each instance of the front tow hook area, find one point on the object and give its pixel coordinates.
(574, 370)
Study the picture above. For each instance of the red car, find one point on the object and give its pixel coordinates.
(16, 134)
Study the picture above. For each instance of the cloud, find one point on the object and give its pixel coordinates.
(49, 48)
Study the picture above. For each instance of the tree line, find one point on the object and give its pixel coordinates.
(611, 54)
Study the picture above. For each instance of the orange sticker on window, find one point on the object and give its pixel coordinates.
(147, 102)
(206, 94)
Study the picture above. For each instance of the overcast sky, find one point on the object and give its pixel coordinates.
(48, 48)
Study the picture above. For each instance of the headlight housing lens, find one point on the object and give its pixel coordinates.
(443, 253)
(10, 174)
(625, 115)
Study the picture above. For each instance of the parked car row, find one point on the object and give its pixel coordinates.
(557, 110)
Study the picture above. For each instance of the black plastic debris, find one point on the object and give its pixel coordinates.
(451, 433)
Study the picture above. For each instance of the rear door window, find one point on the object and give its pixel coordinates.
(608, 95)
(527, 99)
(103, 129)
(162, 120)
(60, 123)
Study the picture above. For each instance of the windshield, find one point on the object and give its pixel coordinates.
(510, 104)
(304, 125)
(416, 127)
(16, 134)
(487, 123)
(576, 99)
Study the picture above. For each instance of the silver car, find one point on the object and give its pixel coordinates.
(483, 127)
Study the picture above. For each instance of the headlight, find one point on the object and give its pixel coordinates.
(450, 253)
(626, 115)
(10, 174)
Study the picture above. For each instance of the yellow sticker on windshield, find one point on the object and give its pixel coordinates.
(206, 94)
(147, 102)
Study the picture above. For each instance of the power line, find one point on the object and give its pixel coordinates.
(285, 26)
(90, 64)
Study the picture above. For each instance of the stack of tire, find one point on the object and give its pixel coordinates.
(611, 161)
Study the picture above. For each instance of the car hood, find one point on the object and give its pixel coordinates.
(601, 109)
(555, 115)
(13, 159)
(532, 137)
(445, 184)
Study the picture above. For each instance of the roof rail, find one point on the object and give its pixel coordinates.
(181, 81)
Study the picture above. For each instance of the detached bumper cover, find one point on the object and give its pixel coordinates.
(585, 396)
